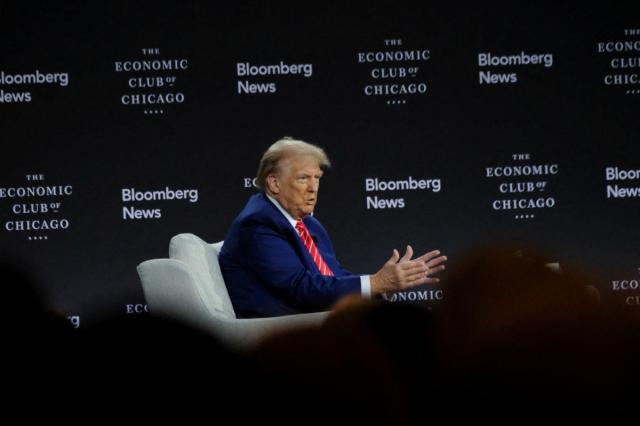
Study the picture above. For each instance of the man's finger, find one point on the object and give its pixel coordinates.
(433, 271)
(428, 256)
(394, 257)
(437, 261)
(408, 254)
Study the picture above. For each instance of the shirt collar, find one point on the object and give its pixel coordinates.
(286, 214)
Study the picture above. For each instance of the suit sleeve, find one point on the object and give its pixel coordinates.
(272, 258)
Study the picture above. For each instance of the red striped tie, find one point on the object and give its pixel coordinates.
(312, 249)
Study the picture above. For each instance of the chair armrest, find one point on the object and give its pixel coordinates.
(171, 291)
(247, 332)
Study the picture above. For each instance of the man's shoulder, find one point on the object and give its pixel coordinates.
(259, 210)
(258, 213)
(256, 205)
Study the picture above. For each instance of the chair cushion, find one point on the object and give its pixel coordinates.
(202, 258)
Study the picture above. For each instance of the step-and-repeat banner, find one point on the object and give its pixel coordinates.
(449, 126)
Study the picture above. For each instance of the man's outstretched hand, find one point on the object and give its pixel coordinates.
(401, 273)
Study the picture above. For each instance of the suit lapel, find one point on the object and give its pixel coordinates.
(292, 235)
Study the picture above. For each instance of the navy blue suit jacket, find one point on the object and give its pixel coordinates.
(269, 272)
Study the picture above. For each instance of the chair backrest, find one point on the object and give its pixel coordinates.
(202, 259)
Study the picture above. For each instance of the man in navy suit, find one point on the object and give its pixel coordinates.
(277, 259)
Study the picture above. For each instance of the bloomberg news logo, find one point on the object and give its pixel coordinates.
(509, 61)
(622, 183)
(133, 195)
(268, 71)
(74, 321)
(391, 187)
(27, 80)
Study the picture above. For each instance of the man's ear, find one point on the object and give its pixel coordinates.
(273, 184)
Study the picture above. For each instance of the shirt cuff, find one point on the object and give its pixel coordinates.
(365, 286)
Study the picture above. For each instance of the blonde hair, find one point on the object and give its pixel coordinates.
(282, 149)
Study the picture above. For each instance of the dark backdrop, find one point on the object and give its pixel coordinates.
(84, 136)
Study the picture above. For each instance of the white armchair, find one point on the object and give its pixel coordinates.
(189, 287)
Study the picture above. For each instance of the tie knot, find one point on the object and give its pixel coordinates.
(302, 230)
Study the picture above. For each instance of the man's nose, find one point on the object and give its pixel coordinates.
(313, 186)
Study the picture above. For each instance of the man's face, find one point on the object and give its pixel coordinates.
(296, 185)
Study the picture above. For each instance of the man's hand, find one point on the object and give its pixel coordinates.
(401, 273)
(434, 262)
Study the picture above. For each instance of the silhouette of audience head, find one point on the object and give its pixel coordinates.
(516, 334)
